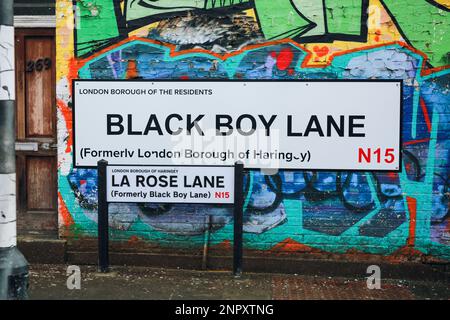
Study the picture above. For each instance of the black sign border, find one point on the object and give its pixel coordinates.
(399, 81)
(174, 166)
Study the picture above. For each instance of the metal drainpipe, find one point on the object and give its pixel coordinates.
(206, 242)
(13, 266)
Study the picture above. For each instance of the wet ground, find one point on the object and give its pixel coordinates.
(50, 282)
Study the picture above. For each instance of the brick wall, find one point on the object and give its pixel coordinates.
(361, 213)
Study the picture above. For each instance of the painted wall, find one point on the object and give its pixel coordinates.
(387, 214)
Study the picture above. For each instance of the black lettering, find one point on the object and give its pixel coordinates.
(289, 128)
(352, 125)
(151, 181)
(168, 129)
(220, 182)
(156, 127)
(239, 122)
(267, 124)
(114, 184)
(140, 181)
(220, 124)
(110, 124)
(338, 128)
(191, 124)
(313, 126)
(130, 127)
(163, 181)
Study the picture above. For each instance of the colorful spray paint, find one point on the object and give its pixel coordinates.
(383, 214)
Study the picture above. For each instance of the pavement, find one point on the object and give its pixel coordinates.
(49, 282)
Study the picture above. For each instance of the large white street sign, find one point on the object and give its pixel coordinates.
(314, 125)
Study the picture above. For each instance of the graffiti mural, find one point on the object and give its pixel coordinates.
(337, 212)
(232, 23)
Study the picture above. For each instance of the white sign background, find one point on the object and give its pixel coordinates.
(378, 101)
(186, 190)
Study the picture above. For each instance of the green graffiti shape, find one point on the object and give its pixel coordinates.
(138, 9)
(280, 19)
(424, 25)
(344, 16)
(96, 25)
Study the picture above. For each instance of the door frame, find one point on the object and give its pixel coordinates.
(24, 219)
(35, 21)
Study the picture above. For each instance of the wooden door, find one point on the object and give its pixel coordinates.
(36, 146)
